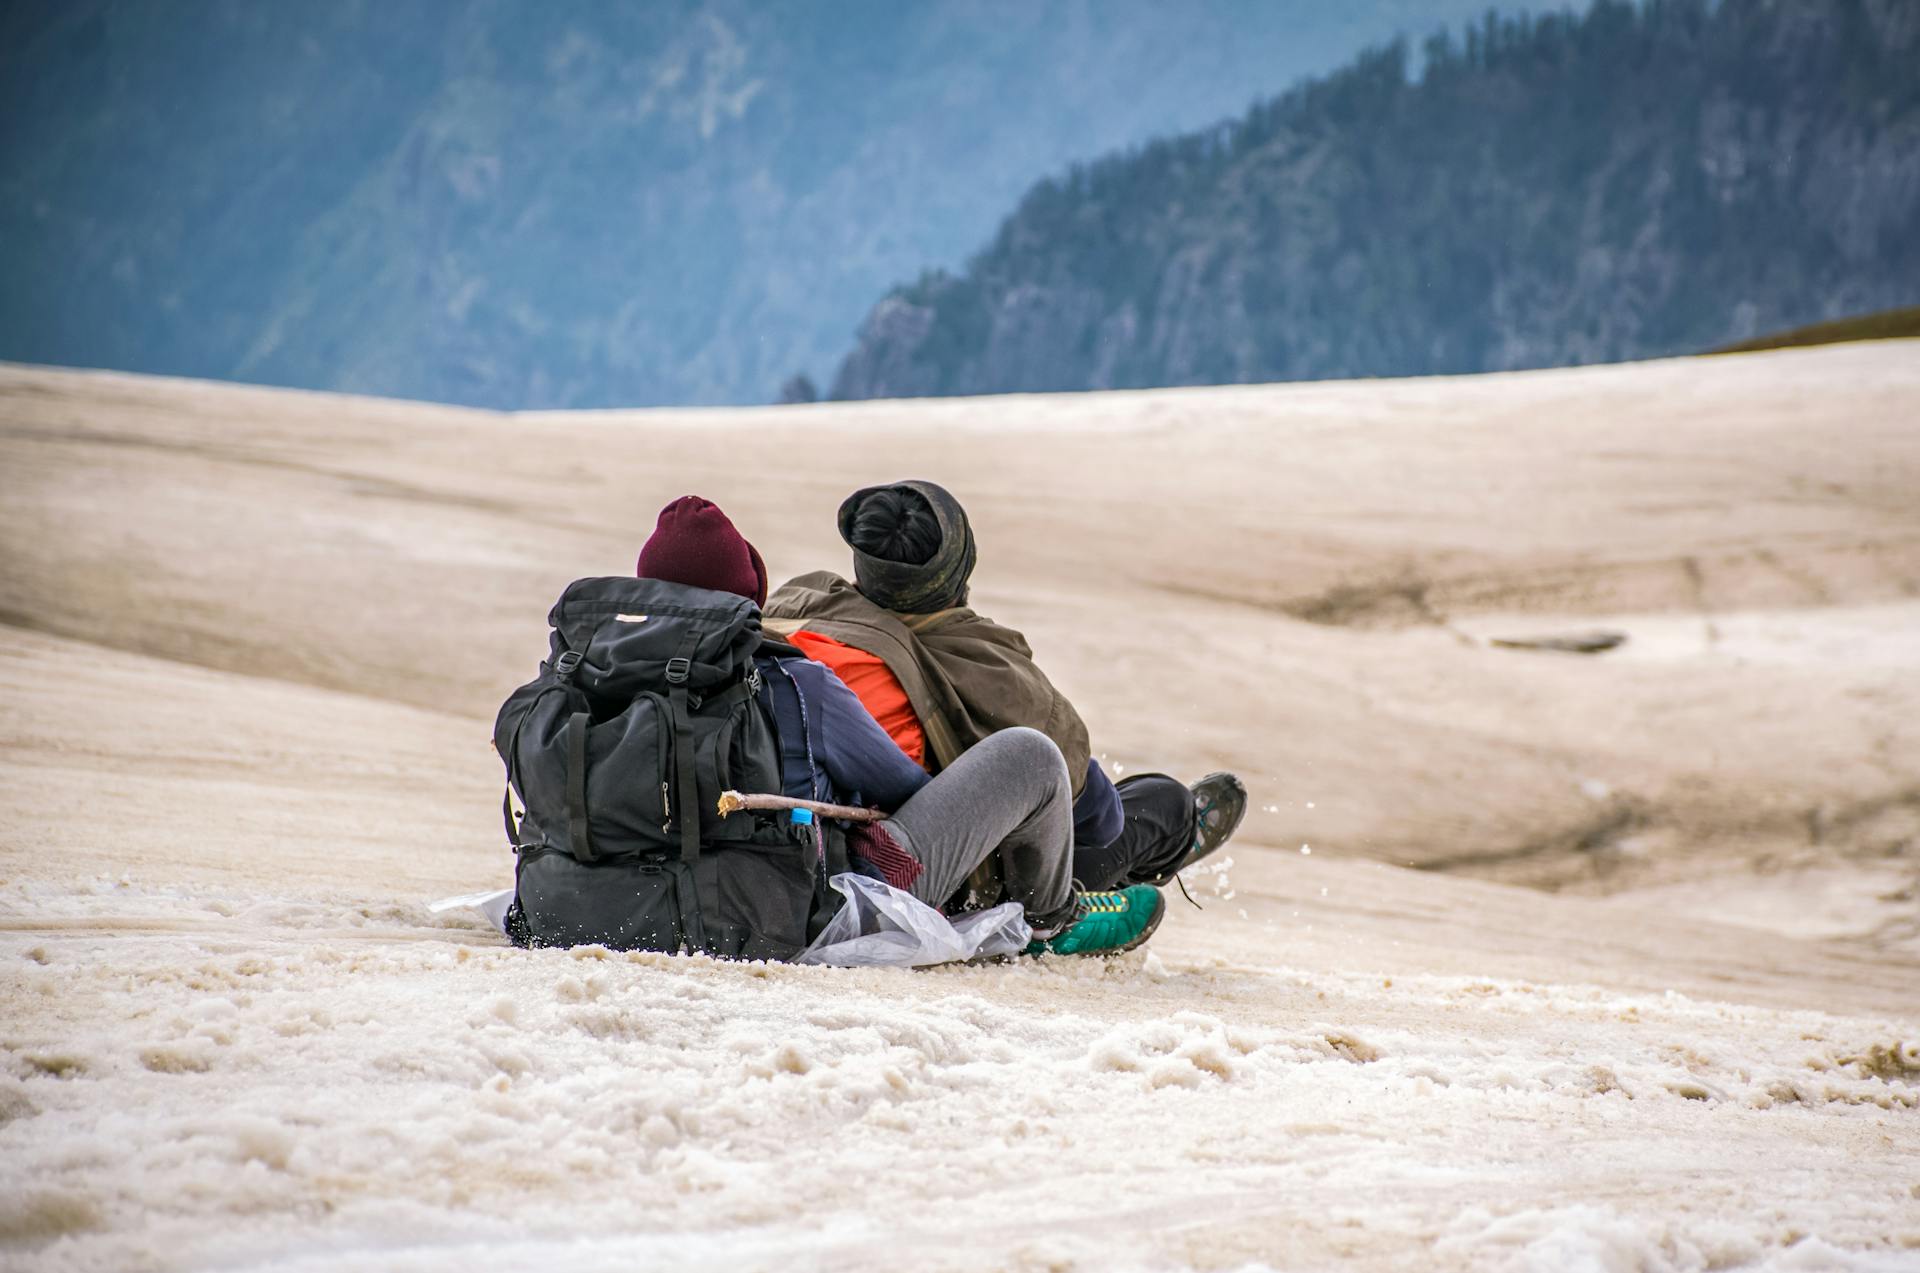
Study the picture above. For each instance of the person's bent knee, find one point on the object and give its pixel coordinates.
(1029, 746)
(1168, 797)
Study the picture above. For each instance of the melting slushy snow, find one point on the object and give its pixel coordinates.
(232, 1036)
(201, 1078)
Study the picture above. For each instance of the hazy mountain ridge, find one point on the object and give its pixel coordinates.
(1626, 183)
(516, 205)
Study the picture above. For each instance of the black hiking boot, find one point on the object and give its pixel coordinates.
(1219, 803)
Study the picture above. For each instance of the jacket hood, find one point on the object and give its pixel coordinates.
(909, 588)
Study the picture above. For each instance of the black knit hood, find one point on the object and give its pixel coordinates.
(938, 583)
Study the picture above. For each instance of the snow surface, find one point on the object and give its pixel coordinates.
(241, 1080)
(248, 642)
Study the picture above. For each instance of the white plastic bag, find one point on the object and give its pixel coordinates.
(887, 927)
(879, 926)
(493, 904)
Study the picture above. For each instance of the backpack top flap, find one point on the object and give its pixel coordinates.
(628, 630)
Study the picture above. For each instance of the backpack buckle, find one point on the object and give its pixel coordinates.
(678, 670)
(563, 667)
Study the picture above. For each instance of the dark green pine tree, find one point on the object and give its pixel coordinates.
(1633, 181)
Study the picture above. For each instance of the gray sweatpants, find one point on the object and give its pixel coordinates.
(1008, 792)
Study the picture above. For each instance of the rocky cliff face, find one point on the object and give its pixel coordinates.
(1628, 183)
(516, 204)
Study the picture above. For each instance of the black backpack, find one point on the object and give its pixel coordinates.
(645, 711)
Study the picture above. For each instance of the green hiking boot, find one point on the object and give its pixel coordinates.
(1108, 923)
(1219, 803)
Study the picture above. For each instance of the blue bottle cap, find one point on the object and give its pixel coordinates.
(803, 817)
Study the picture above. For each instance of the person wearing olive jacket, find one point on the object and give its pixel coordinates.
(940, 678)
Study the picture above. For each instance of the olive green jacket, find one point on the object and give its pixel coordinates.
(966, 676)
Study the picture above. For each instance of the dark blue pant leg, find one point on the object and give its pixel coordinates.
(1155, 836)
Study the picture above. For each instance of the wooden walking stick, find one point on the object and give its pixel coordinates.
(734, 802)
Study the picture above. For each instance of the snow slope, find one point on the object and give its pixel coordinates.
(251, 640)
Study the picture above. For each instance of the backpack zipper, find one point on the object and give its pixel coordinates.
(664, 739)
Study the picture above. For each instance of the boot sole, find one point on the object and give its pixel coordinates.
(1159, 913)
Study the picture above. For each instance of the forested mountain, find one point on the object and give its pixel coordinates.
(515, 203)
(1626, 182)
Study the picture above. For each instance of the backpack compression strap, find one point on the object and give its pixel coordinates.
(689, 789)
(706, 884)
(678, 668)
(579, 839)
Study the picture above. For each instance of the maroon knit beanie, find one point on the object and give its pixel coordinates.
(696, 545)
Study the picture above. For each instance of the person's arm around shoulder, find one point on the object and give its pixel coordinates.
(990, 669)
(857, 753)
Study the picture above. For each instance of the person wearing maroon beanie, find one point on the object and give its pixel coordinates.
(695, 544)
(1010, 795)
